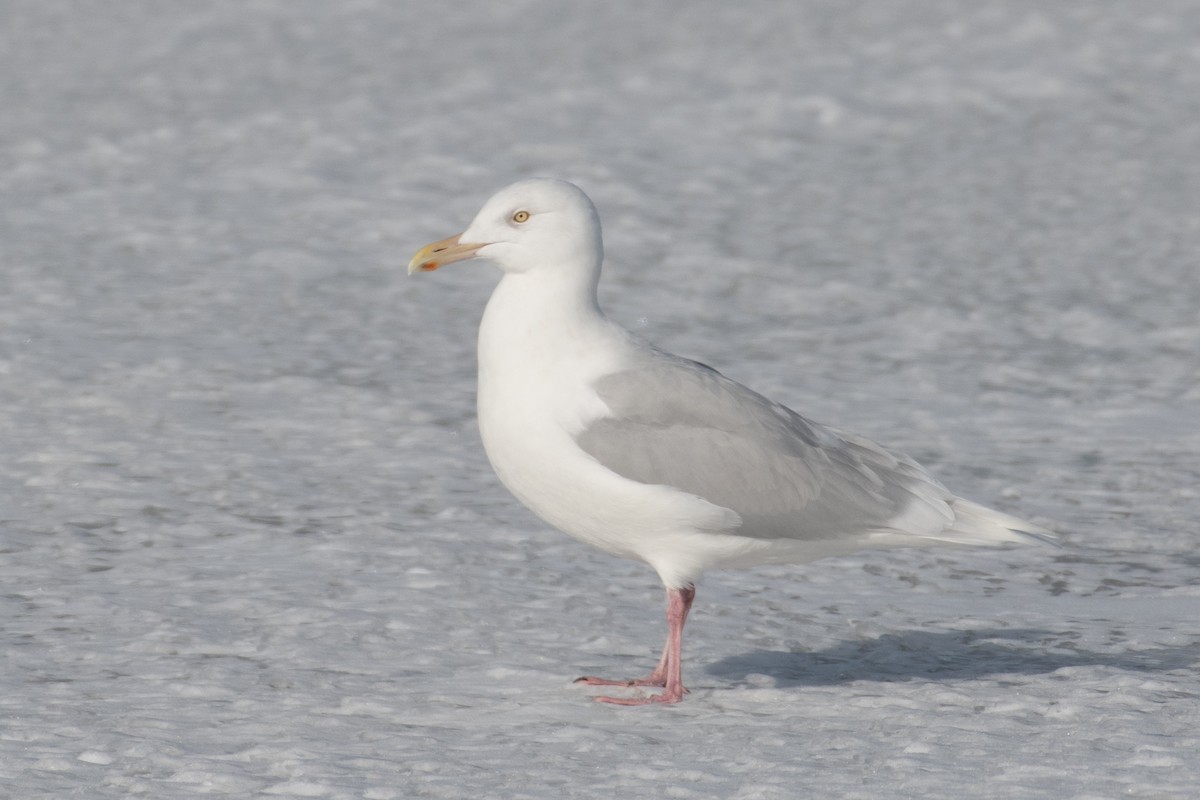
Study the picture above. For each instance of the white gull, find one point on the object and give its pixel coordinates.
(654, 457)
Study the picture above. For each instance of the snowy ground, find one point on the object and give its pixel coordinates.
(249, 544)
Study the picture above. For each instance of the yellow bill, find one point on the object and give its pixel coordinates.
(441, 253)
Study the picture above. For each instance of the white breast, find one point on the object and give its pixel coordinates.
(535, 394)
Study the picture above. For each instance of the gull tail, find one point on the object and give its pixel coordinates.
(982, 526)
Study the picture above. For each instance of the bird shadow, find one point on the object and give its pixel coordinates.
(944, 655)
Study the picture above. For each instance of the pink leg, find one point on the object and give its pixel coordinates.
(668, 672)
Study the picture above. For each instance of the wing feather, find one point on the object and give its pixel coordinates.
(682, 424)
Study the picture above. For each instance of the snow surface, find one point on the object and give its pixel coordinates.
(249, 543)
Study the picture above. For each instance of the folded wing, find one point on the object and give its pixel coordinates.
(682, 424)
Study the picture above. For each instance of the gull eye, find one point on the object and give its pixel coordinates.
(520, 216)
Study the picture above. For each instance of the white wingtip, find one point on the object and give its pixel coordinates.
(979, 525)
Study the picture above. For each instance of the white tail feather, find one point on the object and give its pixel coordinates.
(982, 526)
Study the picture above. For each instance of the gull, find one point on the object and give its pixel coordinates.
(658, 458)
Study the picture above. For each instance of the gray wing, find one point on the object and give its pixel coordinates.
(680, 423)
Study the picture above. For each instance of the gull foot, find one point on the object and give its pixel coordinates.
(666, 698)
(651, 680)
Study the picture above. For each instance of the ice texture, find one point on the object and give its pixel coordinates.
(250, 545)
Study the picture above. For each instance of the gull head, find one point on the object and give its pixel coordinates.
(535, 224)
